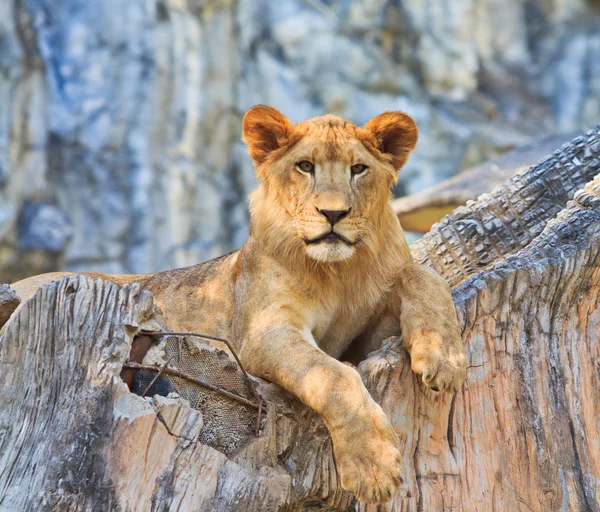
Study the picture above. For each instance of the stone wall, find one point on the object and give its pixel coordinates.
(120, 119)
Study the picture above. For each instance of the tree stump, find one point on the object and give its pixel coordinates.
(522, 434)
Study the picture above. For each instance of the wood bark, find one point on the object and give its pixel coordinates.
(419, 211)
(522, 434)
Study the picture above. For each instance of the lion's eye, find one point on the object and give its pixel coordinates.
(358, 168)
(305, 166)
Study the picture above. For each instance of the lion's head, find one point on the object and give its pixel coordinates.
(324, 183)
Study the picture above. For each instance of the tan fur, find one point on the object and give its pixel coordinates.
(293, 306)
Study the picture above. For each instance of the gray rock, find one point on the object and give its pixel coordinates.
(43, 226)
(8, 303)
(126, 115)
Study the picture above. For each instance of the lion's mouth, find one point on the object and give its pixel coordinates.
(330, 238)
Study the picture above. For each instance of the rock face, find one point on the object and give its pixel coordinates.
(120, 120)
(8, 302)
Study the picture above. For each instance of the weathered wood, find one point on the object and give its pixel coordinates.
(511, 216)
(419, 211)
(522, 434)
(90, 444)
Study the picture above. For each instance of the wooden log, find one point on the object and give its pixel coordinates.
(522, 434)
(511, 216)
(418, 212)
(74, 437)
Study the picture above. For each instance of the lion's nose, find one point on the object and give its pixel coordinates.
(334, 216)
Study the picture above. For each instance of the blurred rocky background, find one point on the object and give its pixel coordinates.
(120, 119)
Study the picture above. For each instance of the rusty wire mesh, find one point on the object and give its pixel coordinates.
(228, 422)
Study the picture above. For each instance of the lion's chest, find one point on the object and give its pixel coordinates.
(335, 324)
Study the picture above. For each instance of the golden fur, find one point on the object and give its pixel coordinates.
(294, 299)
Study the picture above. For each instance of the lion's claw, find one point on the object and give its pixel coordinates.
(441, 370)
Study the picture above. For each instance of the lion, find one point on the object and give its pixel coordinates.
(326, 273)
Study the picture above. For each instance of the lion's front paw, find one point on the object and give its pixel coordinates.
(368, 461)
(442, 368)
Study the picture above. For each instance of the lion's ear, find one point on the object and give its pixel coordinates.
(265, 129)
(396, 134)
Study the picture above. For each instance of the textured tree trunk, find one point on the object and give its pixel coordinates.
(522, 434)
(418, 212)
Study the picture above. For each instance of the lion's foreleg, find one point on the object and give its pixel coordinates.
(429, 327)
(365, 446)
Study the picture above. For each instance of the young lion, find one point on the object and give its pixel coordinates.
(326, 266)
